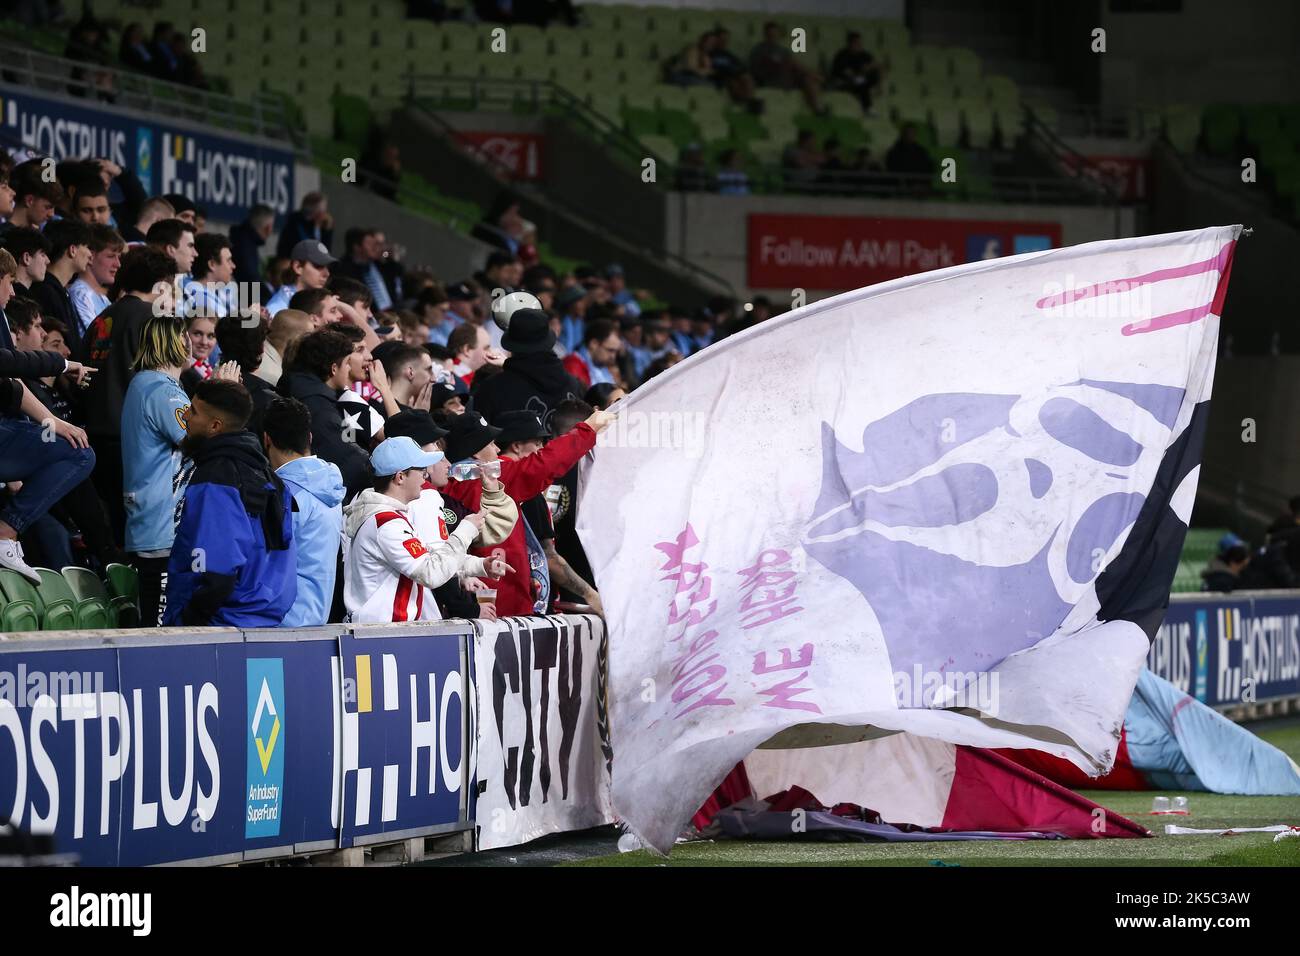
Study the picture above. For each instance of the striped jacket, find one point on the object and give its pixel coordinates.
(388, 572)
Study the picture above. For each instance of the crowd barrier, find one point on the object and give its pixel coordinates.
(1231, 650)
(225, 746)
(169, 746)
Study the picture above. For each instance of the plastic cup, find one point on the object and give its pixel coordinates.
(1158, 805)
(487, 596)
(1181, 806)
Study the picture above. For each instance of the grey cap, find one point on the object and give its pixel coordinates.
(313, 251)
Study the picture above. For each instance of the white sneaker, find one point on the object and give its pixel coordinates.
(11, 557)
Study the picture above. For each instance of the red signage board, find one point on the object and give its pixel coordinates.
(1128, 174)
(520, 153)
(848, 252)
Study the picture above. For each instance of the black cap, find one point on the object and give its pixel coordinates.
(461, 292)
(520, 426)
(530, 331)
(440, 394)
(180, 202)
(414, 424)
(469, 434)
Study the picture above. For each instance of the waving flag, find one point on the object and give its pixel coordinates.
(950, 504)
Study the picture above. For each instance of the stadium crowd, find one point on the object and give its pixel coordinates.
(273, 434)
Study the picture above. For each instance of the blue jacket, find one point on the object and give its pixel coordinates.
(233, 563)
(317, 488)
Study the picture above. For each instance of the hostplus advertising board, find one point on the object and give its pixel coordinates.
(219, 747)
(224, 173)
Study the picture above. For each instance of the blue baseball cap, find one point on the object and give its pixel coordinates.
(1229, 540)
(398, 454)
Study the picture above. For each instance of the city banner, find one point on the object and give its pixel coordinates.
(543, 756)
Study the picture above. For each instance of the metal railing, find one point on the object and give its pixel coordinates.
(1248, 506)
(1083, 173)
(546, 96)
(266, 115)
(539, 95)
(1092, 121)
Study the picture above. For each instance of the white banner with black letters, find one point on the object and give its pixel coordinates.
(543, 756)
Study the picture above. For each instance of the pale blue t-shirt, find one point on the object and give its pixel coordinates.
(154, 473)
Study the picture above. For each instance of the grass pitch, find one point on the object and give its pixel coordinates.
(1208, 811)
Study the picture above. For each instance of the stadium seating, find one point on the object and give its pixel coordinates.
(613, 62)
(22, 610)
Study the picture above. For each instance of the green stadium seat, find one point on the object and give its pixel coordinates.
(1182, 127)
(640, 71)
(461, 39)
(1262, 122)
(671, 97)
(840, 103)
(890, 33)
(880, 134)
(94, 607)
(979, 125)
(712, 127)
(1002, 90)
(768, 152)
(60, 604)
(124, 587)
(1222, 126)
(781, 102)
(660, 147)
(608, 103)
(22, 608)
(525, 38)
(641, 122)
(1187, 578)
(964, 65)
(947, 125)
(678, 126)
(642, 98)
(607, 15)
(904, 86)
(909, 109)
(351, 119)
(566, 43)
(498, 66)
(931, 61)
(1047, 115)
(780, 129)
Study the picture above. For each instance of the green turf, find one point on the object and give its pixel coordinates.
(1208, 811)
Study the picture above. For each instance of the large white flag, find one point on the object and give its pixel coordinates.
(950, 504)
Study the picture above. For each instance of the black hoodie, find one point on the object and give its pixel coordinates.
(533, 381)
(327, 434)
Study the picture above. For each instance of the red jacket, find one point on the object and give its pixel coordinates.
(524, 479)
(575, 366)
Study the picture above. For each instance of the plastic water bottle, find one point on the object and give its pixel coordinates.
(628, 842)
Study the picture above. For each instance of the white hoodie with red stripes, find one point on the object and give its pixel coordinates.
(388, 572)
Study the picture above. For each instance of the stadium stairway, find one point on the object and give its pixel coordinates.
(591, 231)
